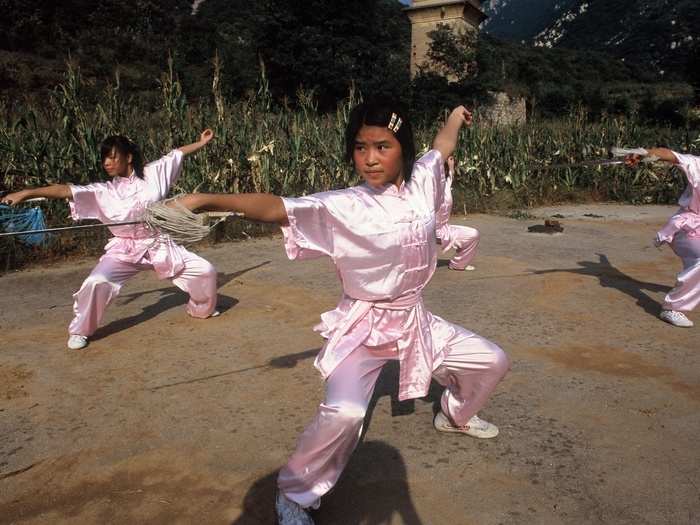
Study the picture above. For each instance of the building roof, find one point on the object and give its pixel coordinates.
(428, 4)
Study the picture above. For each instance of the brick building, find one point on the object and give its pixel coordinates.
(425, 15)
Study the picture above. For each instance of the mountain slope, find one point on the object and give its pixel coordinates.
(660, 34)
(521, 20)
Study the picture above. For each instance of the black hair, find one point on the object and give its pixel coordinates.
(378, 111)
(124, 146)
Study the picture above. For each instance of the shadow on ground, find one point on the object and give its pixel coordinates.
(611, 277)
(168, 297)
(372, 490)
(373, 487)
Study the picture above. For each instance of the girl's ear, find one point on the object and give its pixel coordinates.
(129, 158)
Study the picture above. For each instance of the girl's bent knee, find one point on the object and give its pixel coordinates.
(346, 414)
(501, 362)
(209, 272)
(97, 280)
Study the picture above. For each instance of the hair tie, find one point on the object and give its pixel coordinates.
(130, 142)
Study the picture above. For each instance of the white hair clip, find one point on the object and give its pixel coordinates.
(395, 123)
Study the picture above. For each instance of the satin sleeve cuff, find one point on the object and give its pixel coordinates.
(308, 234)
(83, 204)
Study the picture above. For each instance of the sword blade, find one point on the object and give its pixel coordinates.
(583, 164)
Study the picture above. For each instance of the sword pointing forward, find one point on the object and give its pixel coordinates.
(618, 153)
(583, 164)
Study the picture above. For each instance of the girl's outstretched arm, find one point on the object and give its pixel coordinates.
(446, 139)
(204, 139)
(55, 191)
(263, 207)
(664, 154)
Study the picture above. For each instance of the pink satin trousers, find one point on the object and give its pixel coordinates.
(197, 278)
(466, 241)
(472, 368)
(685, 296)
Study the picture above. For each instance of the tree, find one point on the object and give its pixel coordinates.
(324, 45)
(105, 32)
(452, 53)
(693, 68)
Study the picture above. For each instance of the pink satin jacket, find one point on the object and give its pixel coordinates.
(124, 199)
(687, 218)
(383, 244)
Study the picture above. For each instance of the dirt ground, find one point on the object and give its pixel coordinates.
(167, 419)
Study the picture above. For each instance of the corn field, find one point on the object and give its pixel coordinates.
(262, 145)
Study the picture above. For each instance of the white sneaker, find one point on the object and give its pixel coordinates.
(676, 318)
(289, 512)
(467, 268)
(76, 342)
(476, 427)
(215, 313)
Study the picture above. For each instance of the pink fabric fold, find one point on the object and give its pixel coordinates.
(411, 330)
(690, 165)
(442, 216)
(683, 221)
(687, 218)
(463, 239)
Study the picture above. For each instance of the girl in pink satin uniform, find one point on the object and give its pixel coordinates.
(381, 236)
(133, 247)
(463, 239)
(682, 232)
